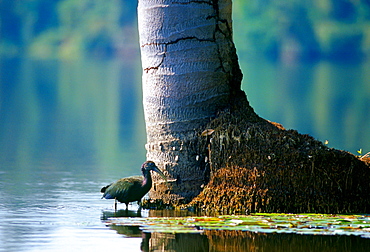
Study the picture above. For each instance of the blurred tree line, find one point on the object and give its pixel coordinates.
(304, 30)
(287, 30)
(66, 28)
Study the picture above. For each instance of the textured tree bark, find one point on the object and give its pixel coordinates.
(190, 72)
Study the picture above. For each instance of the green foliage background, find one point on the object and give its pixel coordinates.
(334, 29)
(66, 28)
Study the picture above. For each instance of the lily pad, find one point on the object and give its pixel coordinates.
(318, 224)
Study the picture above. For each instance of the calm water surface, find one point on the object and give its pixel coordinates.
(69, 128)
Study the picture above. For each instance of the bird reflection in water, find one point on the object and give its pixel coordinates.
(128, 231)
(120, 213)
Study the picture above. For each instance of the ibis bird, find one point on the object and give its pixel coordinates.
(126, 190)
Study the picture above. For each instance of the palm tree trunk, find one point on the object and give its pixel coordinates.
(190, 73)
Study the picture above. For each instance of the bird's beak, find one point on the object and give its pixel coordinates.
(160, 173)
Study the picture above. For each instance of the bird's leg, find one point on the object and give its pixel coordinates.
(138, 212)
(115, 204)
(126, 206)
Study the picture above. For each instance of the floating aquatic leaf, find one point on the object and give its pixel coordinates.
(323, 224)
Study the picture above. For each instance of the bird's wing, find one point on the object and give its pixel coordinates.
(120, 188)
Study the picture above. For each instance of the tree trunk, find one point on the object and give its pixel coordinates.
(190, 72)
(191, 83)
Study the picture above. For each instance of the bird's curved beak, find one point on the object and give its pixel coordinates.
(160, 173)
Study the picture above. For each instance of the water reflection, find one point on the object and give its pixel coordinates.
(68, 128)
(127, 231)
(328, 100)
(120, 213)
(248, 241)
(65, 129)
(221, 240)
(72, 112)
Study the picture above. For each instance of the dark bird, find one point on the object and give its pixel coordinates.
(133, 188)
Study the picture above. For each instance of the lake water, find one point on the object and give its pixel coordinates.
(69, 128)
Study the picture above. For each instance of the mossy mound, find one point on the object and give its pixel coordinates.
(258, 166)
